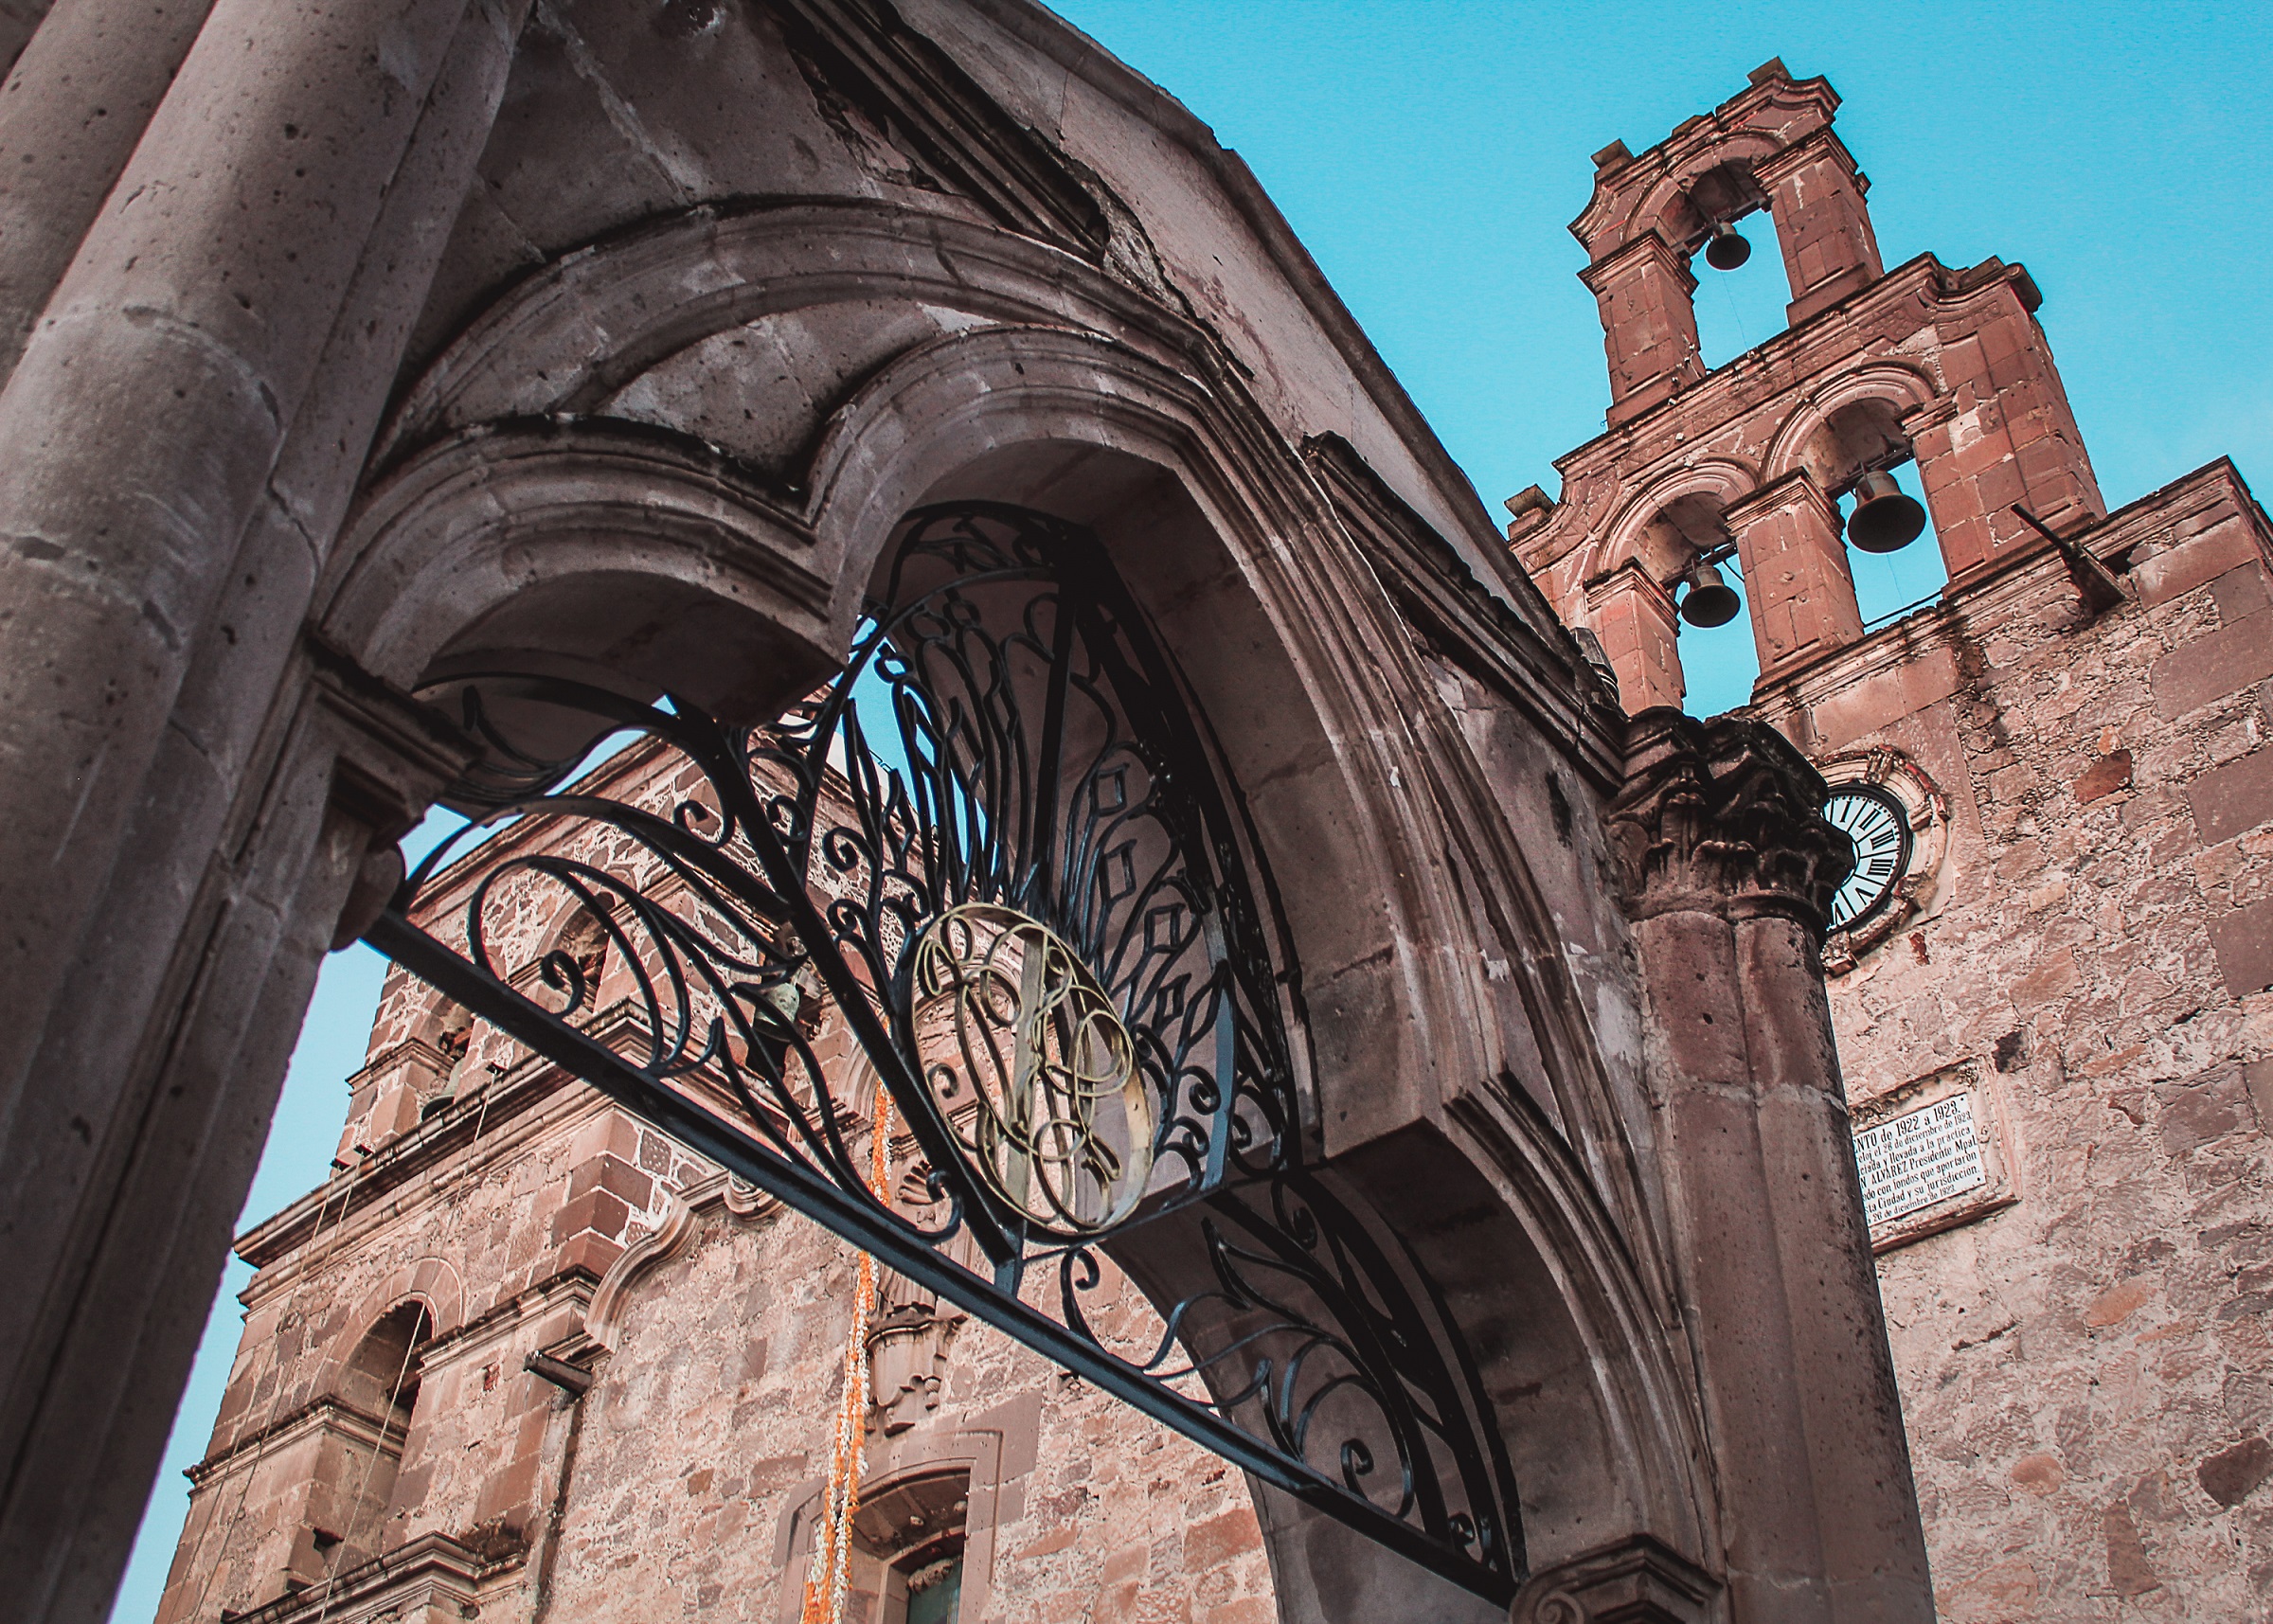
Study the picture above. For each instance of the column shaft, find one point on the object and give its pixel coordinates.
(185, 428)
(1727, 866)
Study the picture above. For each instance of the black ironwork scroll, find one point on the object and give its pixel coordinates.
(991, 863)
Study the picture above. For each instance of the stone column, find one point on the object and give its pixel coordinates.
(1797, 584)
(73, 106)
(1815, 197)
(185, 813)
(1639, 629)
(1727, 866)
(1649, 324)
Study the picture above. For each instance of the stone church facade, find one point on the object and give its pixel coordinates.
(2072, 950)
(375, 370)
(611, 1392)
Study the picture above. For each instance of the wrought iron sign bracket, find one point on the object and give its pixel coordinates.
(532, 1025)
(1039, 920)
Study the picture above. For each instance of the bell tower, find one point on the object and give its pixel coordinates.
(2050, 971)
(1941, 372)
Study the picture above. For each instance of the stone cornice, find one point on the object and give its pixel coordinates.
(1436, 591)
(328, 1411)
(342, 1205)
(1792, 361)
(1623, 258)
(1721, 817)
(1806, 150)
(431, 1574)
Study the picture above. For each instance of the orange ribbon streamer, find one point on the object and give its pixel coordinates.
(829, 1575)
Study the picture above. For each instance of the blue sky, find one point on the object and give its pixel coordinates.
(1431, 154)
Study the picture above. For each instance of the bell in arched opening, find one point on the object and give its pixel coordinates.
(1710, 600)
(1726, 248)
(1884, 519)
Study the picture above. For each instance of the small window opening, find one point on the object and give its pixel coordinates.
(351, 1506)
(934, 1590)
(909, 1550)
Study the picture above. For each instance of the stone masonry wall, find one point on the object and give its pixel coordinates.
(2086, 1372)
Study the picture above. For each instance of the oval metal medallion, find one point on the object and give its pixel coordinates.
(1032, 1067)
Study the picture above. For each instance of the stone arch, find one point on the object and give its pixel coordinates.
(432, 1284)
(1629, 573)
(1720, 482)
(1901, 387)
(1867, 419)
(569, 338)
(1250, 579)
(606, 550)
(1486, 1149)
(380, 1374)
(1709, 187)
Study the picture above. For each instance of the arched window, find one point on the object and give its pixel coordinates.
(351, 1501)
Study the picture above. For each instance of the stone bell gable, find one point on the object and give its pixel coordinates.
(2050, 979)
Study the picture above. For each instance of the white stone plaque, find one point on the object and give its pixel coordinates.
(1919, 1158)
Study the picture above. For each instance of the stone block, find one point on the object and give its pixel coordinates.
(2196, 1113)
(2110, 772)
(616, 1177)
(2053, 977)
(2244, 943)
(597, 1210)
(1219, 1539)
(2230, 1475)
(2118, 1303)
(2241, 593)
(2231, 799)
(2212, 666)
(2199, 560)
(2128, 1569)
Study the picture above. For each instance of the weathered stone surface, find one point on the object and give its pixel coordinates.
(2084, 1372)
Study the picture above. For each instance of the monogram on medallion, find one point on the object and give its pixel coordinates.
(1033, 1068)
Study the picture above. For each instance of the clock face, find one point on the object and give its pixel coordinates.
(1881, 831)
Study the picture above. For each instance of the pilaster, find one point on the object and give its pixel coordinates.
(1795, 574)
(1634, 618)
(1815, 197)
(1649, 324)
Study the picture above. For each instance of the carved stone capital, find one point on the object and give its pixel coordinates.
(1634, 1581)
(1724, 818)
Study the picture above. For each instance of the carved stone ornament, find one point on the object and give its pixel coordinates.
(1634, 1581)
(1722, 816)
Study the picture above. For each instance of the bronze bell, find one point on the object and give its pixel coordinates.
(1726, 249)
(1711, 600)
(1884, 519)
